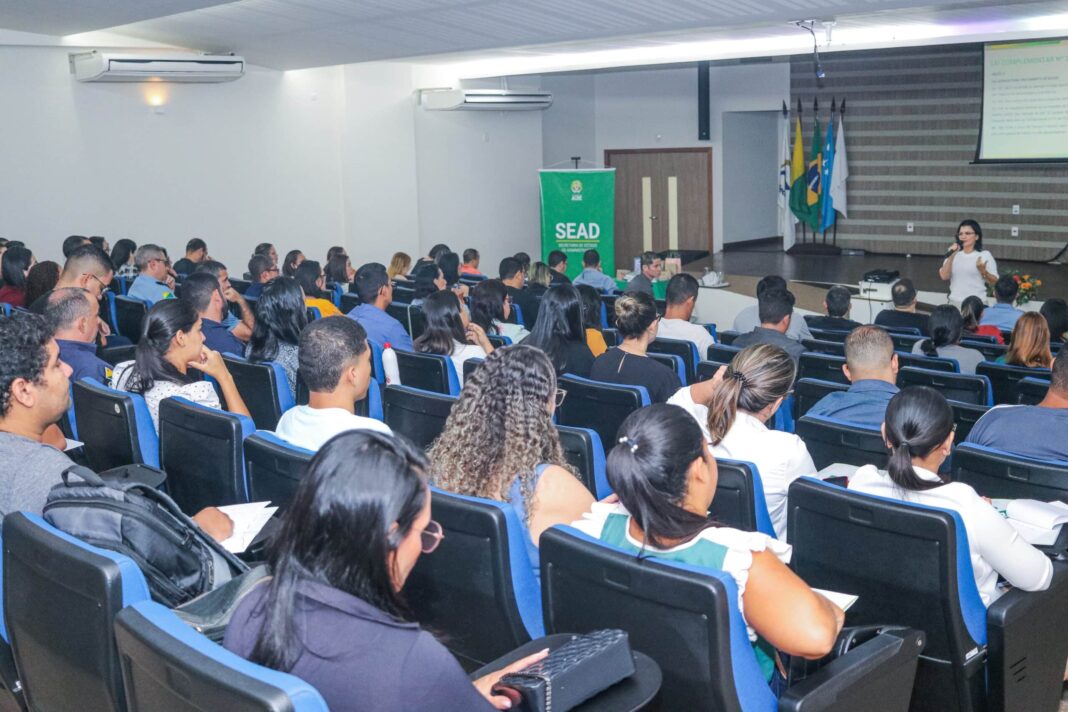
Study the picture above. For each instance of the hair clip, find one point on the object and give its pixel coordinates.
(740, 377)
(627, 441)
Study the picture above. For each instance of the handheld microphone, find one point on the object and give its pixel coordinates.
(950, 251)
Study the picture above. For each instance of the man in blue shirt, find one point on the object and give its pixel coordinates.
(871, 367)
(72, 313)
(261, 270)
(1003, 315)
(201, 290)
(240, 328)
(591, 273)
(376, 293)
(1035, 431)
(154, 283)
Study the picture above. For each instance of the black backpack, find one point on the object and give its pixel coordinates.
(178, 559)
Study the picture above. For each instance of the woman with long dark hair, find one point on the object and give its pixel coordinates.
(15, 267)
(946, 326)
(428, 280)
(450, 268)
(170, 358)
(333, 613)
(450, 333)
(971, 311)
(629, 363)
(280, 317)
(1029, 346)
(293, 260)
(559, 333)
(41, 280)
(591, 318)
(968, 268)
(665, 477)
(312, 280)
(490, 309)
(500, 443)
(122, 258)
(432, 257)
(919, 431)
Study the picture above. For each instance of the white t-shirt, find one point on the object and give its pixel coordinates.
(200, 392)
(310, 428)
(685, 331)
(965, 280)
(996, 547)
(462, 352)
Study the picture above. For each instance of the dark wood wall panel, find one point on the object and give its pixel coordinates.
(912, 121)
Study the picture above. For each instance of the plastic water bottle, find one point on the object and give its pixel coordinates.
(389, 365)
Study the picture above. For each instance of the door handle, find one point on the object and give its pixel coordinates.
(652, 217)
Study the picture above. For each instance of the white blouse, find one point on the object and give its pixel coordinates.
(462, 352)
(964, 278)
(780, 457)
(200, 392)
(996, 546)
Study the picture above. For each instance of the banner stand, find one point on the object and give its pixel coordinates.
(578, 209)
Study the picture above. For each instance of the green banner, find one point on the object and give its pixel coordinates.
(578, 211)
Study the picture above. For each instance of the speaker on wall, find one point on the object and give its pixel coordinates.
(703, 118)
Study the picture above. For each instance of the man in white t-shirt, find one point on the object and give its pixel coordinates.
(681, 299)
(335, 364)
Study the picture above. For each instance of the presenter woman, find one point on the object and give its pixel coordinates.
(968, 268)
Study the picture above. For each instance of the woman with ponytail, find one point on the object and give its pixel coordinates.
(918, 431)
(732, 410)
(170, 358)
(946, 326)
(665, 477)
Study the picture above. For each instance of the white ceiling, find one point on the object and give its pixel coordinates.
(295, 34)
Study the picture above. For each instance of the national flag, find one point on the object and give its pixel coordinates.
(798, 202)
(836, 188)
(786, 218)
(827, 214)
(813, 191)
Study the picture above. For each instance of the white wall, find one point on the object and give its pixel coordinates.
(568, 126)
(751, 163)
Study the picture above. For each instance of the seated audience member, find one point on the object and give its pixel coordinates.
(971, 311)
(749, 318)
(665, 478)
(73, 315)
(335, 365)
(241, 328)
(1055, 311)
(524, 261)
(100, 243)
(432, 257)
(40, 280)
(449, 264)
(636, 322)
(681, 300)
(539, 278)
(15, 267)
(1029, 346)
(267, 250)
(449, 332)
(499, 443)
(559, 332)
(204, 294)
(293, 259)
(919, 433)
(491, 309)
(339, 271)
(34, 395)
(154, 282)
(871, 367)
(122, 258)
(169, 355)
(903, 315)
(332, 613)
(1027, 430)
(470, 265)
(776, 313)
(591, 318)
(837, 304)
(73, 242)
(399, 265)
(312, 280)
(196, 251)
(87, 268)
(592, 275)
(335, 251)
(429, 279)
(376, 293)
(1004, 314)
(733, 410)
(514, 278)
(945, 325)
(558, 268)
(261, 271)
(651, 267)
(280, 318)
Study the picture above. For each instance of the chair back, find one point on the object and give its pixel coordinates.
(932, 363)
(240, 285)
(909, 564)
(202, 451)
(1003, 475)
(1031, 390)
(824, 367)
(427, 372)
(830, 441)
(115, 426)
(991, 351)
(264, 387)
(348, 302)
(478, 587)
(962, 387)
(727, 336)
(834, 348)
(830, 334)
(675, 363)
(106, 311)
(273, 468)
(60, 600)
(906, 330)
(707, 369)
(416, 414)
(904, 342)
(810, 391)
(1004, 379)
(314, 313)
(129, 316)
(965, 416)
(608, 301)
(739, 500)
(167, 665)
(602, 407)
(470, 365)
(114, 355)
(498, 341)
(583, 449)
(686, 350)
(722, 352)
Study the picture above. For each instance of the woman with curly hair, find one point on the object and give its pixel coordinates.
(499, 443)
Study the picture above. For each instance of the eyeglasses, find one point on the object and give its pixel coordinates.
(431, 536)
(104, 286)
(561, 394)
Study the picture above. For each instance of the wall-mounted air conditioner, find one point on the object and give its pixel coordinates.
(485, 100)
(97, 66)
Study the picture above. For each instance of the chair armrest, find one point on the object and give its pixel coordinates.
(1027, 639)
(876, 676)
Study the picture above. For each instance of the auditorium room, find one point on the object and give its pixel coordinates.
(473, 355)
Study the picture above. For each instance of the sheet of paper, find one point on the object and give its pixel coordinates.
(1036, 536)
(72, 444)
(248, 519)
(1045, 515)
(842, 600)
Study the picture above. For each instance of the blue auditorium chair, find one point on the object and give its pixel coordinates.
(832, 441)
(416, 414)
(602, 407)
(1004, 475)
(686, 350)
(263, 386)
(273, 468)
(115, 426)
(962, 387)
(428, 372)
(1031, 390)
(584, 451)
(1004, 379)
(739, 499)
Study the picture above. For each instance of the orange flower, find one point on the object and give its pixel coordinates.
(1038, 282)
(1026, 285)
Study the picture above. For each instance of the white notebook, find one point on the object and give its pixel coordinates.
(248, 520)
(1039, 523)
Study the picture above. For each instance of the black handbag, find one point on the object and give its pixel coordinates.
(571, 674)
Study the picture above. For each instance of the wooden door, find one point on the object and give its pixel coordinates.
(663, 200)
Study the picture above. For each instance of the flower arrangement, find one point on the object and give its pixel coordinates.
(1028, 286)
